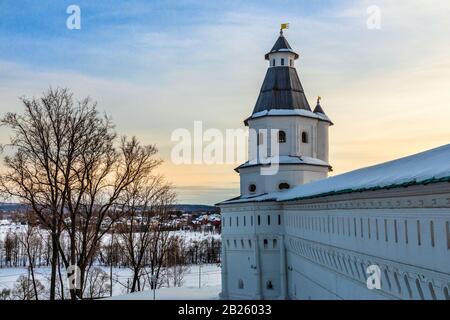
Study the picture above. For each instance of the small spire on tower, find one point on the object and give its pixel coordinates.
(318, 108)
(283, 26)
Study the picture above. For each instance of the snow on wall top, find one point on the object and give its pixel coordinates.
(428, 166)
(290, 112)
(286, 160)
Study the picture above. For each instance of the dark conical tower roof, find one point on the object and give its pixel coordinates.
(281, 45)
(281, 88)
(318, 108)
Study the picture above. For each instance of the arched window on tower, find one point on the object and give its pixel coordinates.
(281, 136)
(304, 137)
(241, 284)
(282, 61)
(273, 62)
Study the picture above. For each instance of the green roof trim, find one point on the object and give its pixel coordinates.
(392, 186)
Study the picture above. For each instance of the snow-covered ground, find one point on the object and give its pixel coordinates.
(210, 274)
(209, 281)
(8, 226)
(209, 289)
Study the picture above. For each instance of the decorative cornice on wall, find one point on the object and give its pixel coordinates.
(252, 206)
(331, 256)
(426, 196)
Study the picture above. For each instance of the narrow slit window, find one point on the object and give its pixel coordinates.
(362, 228)
(447, 229)
(432, 233)
(328, 224)
(406, 232)
(377, 229)
(282, 61)
(395, 231)
(386, 236)
(419, 240)
(332, 224)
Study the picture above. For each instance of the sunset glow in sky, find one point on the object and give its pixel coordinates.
(156, 66)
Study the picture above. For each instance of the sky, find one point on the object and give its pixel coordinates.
(158, 66)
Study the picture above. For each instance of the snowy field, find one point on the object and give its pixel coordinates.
(190, 290)
(209, 281)
(8, 226)
(210, 274)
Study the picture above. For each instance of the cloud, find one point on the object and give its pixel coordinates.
(386, 90)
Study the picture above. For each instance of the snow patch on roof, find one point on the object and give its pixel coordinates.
(425, 167)
(290, 112)
(419, 168)
(287, 160)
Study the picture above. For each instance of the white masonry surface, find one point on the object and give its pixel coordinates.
(316, 239)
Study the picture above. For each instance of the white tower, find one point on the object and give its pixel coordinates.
(253, 249)
(303, 133)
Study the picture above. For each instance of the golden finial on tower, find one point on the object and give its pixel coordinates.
(283, 26)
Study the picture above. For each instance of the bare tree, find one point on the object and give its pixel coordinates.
(5, 294)
(44, 144)
(22, 289)
(176, 261)
(30, 240)
(106, 177)
(145, 207)
(9, 248)
(67, 168)
(97, 285)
